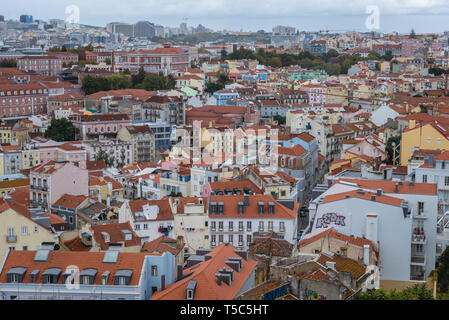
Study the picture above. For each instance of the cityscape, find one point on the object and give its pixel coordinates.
(142, 159)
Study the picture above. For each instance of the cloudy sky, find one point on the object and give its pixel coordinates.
(249, 15)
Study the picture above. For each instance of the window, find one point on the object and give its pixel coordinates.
(270, 225)
(71, 220)
(11, 232)
(213, 225)
(213, 238)
(240, 237)
(220, 225)
(248, 239)
(154, 271)
(240, 225)
(424, 178)
(261, 225)
(24, 231)
(145, 226)
(137, 227)
(428, 140)
(231, 226)
(248, 226)
(231, 238)
(35, 229)
(122, 281)
(25, 248)
(420, 207)
(446, 181)
(282, 226)
(220, 238)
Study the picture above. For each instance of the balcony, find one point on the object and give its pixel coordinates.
(418, 259)
(419, 215)
(11, 239)
(418, 238)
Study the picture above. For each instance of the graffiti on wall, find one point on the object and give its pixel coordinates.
(312, 295)
(330, 218)
(276, 293)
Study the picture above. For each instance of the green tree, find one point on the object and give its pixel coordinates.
(61, 130)
(106, 157)
(373, 55)
(107, 61)
(388, 55)
(280, 119)
(443, 272)
(8, 63)
(415, 292)
(389, 148)
(412, 34)
(437, 71)
(138, 78)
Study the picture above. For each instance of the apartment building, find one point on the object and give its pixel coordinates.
(234, 219)
(43, 65)
(107, 125)
(111, 275)
(400, 216)
(23, 99)
(143, 141)
(50, 180)
(167, 60)
(149, 218)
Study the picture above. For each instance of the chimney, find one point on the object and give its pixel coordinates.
(242, 253)
(396, 188)
(331, 265)
(233, 264)
(180, 275)
(366, 254)
(373, 197)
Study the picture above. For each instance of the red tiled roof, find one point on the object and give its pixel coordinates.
(161, 245)
(389, 186)
(165, 212)
(84, 260)
(204, 273)
(114, 230)
(332, 233)
(252, 211)
(365, 196)
(70, 201)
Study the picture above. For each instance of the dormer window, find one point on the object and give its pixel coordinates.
(51, 275)
(87, 276)
(15, 275)
(123, 277)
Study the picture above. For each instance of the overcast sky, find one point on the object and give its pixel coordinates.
(249, 15)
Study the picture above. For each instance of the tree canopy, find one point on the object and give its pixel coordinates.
(8, 63)
(415, 292)
(61, 130)
(142, 80)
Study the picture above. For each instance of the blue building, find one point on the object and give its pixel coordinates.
(78, 275)
(223, 96)
(24, 18)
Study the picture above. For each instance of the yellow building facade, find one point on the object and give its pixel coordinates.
(424, 137)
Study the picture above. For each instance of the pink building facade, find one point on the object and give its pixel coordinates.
(50, 180)
(93, 126)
